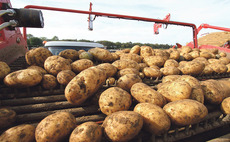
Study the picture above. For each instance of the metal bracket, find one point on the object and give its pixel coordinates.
(12, 23)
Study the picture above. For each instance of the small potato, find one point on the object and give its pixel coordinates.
(49, 81)
(81, 65)
(108, 68)
(110, 81)
(191, 68)
(225, 105)
(145, 94)
(7, 117)
(126, 81)
(65, 76)
(20, 133)
(185, 112)
(195, 54)
(129, 56)
(86, 132)
(122, 64)
(55, 127)
(170, 70)
(152, 72)
(175, 55)
(55, 64)
(171, 62)
(218, 67)
(146, 51)
(122, 125)
(100, 54)
(114, 99)
(135, 49)
(4, 70)
(156, 121)
(69, 54)
(40, 69)
(170, 78)
(154, 60)
(206, 55)
(127, 71)
(222, 54)
(86, 55)
(176, 90)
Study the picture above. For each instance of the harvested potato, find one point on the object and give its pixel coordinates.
(110, 81)
(20, 133)
(202, 60)
(84, 85)
(38, 68)
(187, 56)
(222, 54)
(122, 64)
(191, 68)
(100, 54)
(65, 76)
(170, 70)
(86, 55)
(145, 94)
(186, 49)
(7, 117)
(49, 81)
(55, 64)
(154, 60)
(171, 62)
(197, 94)
(81, 51)
(228, 68)
(55, 127)
(122, 125)
(127, 71)
(108, 68)
(69, 54)
(225, 106)
(114, 99)
(218, 67)
(207, 71)
(176, 90)
(4, 70)
(170, 78)
(129, 56)
(142, 66)
(211, 61)
(195, 54)
(156, 121)
(192, 81)
(206, 55)
(81, 65)
(37, 56)
(86, 132)
(146, 51)
(186, 112)
(135, 49)
(115, 56)
(152, 72)
(175, 55)
(126, 81)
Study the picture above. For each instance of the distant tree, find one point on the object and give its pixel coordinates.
(55, 38)
(35, 42)
(85, 40)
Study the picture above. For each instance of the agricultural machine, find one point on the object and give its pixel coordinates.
(34, 103)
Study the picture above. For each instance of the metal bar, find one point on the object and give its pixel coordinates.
(11, 12)
(7, 24)
(212, 27)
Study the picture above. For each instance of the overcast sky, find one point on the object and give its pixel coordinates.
(75, 26)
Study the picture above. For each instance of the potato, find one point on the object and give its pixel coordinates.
(84, 85)
(191, 68)
(192, 81)
(81, 51)
(81, 65)
(49, 81)
(23, 78)
(127, 71)
(54, 64)
(156, 121)
(152, 72)
(86, 55)
(126, 81)
(170, 70)
(110, 81)
(146, 51)
(206, 55)
(7, 117)
(4, 70)
(222, 54)
(170, 78)
(40, 69)
(186, 49)
(20, 133)
(225, 106)
(122, 64)
(115, 56)
(135, 49)
(87, 132)
(187, 56)
(211, 61)
(185, 112)
(142, 66)
(69, 54)
(218, 67)
(129, 56)
(175, 55)
(122, 125)
(158, 52)
(100, 54)
(65, 76)
(171, 62)
(202, 60)
(154, 60)
(114, 99)
(108, 68)
(37, 56)
(55, 127)
(145, 94)
(195, 54)
(207, 71)
(176, 90)
(197, 94)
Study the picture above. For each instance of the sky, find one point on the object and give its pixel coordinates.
(75, 26)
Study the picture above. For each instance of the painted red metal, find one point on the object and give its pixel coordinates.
(159, 25)
(212, 27)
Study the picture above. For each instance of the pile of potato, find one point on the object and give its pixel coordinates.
(129, 103)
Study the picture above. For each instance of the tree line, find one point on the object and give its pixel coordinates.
(38, 41)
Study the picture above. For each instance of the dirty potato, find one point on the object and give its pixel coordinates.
(80, 65)
(171, 62)
(191, 68)
(129, 56)
(122, 125)
(135, 49)
(55, 127)
(108, 68)
(152, 72)
(122, 64)
(146, 51)
(4, 70)
(218, 67)
(225, 105)
(38, 68)
(7, 117)
(170, 78)
(127, 71)
(69, 54)
(154, 60)
(65, 76)
(170, 70)
(126, 81)
(100, 54)
(49, 81)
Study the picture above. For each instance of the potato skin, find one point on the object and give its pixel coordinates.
(152, 72)
(7, 117)
(185, 112)
(109, 69)
(126, 81)
(20, 133)
(100, 54)
(191, 68)
(122, 125)
(81, 65)
(122, 64)
(145, 94)
(38, 68)
(49, 81)
(83, 85)
(55, 127)
(69, 54)
(225, 106)
(129, 56)
(127, 71)
(86, 132)
(170, 70)
(65, 76)
(114, 99)
(156, 121)
(154, 60)
(4, 70)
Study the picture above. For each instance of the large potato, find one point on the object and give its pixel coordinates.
(142, 66)
(191, 68)
(4, 70)
(55, 64)
(7, 117)
(170, 78)
(108, 68)
(154, 60)
(146, 51)
(69, 54)
(202, 60)
(176, 90)
(122, 64)
(152, 72)
(49, 81)
(86, 132)
(55, 127)
(126, 81)
(175, 55)
(225, 105)
(84, 85)
(20, 133)
(190, 79)
(37, 56)
(114, 99)
(38, 68)
(156, 121)
(81, 65)
(171, 62)
(122, 125)
(135, 49)
(129, 56)
(218, 67)
(170, 70)
(127, 71)
(100, 54)
(65, 76)
(185, 112)
(145, 94)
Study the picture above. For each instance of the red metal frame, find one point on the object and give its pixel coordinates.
(109, 15)
(212, 27)
(159, 25)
